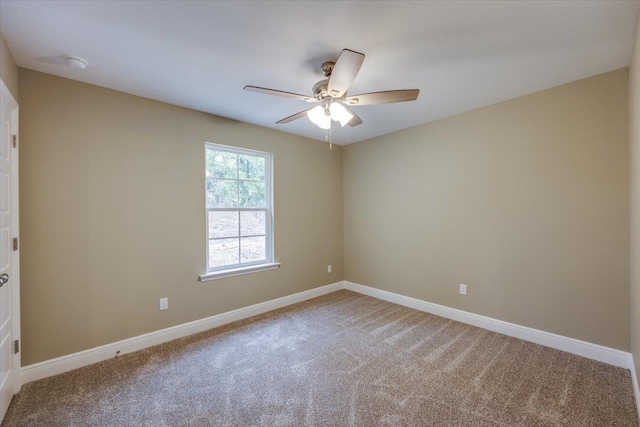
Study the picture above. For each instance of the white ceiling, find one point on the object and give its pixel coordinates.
(461, 55)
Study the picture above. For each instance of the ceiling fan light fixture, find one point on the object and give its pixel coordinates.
(331, 94)
(318, 116)
(340, 114)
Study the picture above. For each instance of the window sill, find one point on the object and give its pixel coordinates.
(239, 271)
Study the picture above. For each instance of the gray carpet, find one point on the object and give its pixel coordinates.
(343, 359)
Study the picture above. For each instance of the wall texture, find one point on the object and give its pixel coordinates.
(8, 68)
(634, 154)
(526, 202)
(113, 218)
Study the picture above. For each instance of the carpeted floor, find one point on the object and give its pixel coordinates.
(338, 360)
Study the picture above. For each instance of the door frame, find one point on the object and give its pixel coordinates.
(15, 233)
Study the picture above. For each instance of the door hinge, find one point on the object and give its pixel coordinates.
(15, 141)
(15, 243)
(16, 346)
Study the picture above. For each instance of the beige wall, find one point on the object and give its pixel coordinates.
(634, 139)
(8, 68)
(526, 202)
(112, 215)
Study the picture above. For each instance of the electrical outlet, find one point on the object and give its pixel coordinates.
(463, 289)
(164, 303)
(329, 268)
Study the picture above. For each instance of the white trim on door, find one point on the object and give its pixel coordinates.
(15, 228)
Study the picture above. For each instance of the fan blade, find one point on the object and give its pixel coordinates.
(356, 120)
(386, 97)
(296, 116)
(280, 93)
(344, 72)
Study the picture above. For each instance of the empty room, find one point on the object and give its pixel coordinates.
(319, 213)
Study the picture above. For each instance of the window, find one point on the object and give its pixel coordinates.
(239, 204)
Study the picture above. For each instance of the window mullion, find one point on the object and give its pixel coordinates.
(241, 209)
(235, 237)
(239, 238)
(238, 176)
(238, 187)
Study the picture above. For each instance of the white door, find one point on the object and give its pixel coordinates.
(8, 259)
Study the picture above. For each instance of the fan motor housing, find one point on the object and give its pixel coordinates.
(320, 89)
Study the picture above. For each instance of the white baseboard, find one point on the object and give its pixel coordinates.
(636, 388)
(581, 348)
(69, 362)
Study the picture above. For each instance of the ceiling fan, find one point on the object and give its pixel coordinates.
(331, 94)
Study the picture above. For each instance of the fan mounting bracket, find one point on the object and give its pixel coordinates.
(327, 68)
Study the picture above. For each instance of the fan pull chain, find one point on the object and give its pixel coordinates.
(327, 136)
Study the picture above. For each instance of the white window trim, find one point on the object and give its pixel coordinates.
(249, 267)
(238, 271)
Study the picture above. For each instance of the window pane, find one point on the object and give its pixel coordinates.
(222, 193)
(221, 164)
(253, 249)
(223, 252)
(237, 180)
(253, 223)
(252, 194)
(251, 167)
(223, 224)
